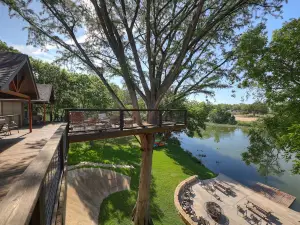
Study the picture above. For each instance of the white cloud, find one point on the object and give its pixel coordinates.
(36, 52)
(80, 39)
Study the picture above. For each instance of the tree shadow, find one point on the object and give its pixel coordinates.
(189, 165)
(119, 151)
(120, 205)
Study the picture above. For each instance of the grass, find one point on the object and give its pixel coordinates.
(171, 165)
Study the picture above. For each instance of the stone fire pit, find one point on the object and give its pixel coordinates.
(213, 210)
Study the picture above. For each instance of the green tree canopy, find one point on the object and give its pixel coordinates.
(222, 116)
(274, 67)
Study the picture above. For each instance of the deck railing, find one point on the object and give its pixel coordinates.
(34, 199)
(83, 120)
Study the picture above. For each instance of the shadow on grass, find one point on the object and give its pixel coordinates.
(118, 207)
(122, 151)
(189, 165)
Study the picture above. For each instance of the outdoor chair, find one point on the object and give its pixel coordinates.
(4, 128)
(255, 219)
(77, 119)
(241, 210)
(203, 221)
(13, 125)
(114, 121)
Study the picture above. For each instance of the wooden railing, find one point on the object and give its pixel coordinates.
(34, 199)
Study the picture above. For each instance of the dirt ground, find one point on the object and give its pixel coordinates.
(245, 118)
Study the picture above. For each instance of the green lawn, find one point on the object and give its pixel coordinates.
(171, 165)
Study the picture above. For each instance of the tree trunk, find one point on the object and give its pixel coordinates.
(141, 211)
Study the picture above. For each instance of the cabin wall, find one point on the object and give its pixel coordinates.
(12, 108)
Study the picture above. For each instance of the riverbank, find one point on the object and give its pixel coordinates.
(238, 125)
(171, 165)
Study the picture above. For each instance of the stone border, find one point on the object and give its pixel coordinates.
(81, 164)
(178, 191)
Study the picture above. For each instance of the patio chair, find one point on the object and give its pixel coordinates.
(13, 125)
(203, 221)
(4, 128)
(241, 210)
(114, 121)
(77, 119)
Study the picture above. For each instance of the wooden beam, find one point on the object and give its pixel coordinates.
(51, 112)
(44, 117)
(13, 93)
(96, 135)
(30, 115)
(14, 85)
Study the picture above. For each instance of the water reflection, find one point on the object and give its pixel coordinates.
(223, 146)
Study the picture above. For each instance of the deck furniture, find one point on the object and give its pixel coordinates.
(259, 210)
(241, 210)
(120, 122)
(114, 121)
(255, 219)
(203, 221)
(77, 120)
(4, 128)
(128, 122)
(222, 187)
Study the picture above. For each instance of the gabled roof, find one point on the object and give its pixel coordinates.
(45, 92)
(10, 65)
(13, 65)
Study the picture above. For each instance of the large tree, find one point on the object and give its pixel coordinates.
(274, 67)
(155, 46)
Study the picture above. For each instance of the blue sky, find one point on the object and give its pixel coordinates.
(11, 31)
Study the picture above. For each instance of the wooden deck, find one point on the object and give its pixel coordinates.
(274, 194)
(89, 135)
(18, 150)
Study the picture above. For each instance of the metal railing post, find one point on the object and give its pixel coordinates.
(160, 118)
(185, 117)
(121, 119)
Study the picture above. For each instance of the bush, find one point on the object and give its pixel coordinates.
(221, 116)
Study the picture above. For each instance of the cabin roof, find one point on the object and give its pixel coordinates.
(13, 65)
(46, 93)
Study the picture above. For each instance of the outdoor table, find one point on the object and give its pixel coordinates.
(264, 210)
(128, 121)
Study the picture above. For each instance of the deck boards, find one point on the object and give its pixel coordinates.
(18, 150)
(274, 194)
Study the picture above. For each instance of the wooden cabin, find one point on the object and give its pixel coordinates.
(19, 90)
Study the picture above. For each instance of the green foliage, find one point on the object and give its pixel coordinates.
(219, 115)
(274, 67)
(171, 165)
(5, 48)
(197, 116)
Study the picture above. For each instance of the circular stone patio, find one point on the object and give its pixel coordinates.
(86, 189)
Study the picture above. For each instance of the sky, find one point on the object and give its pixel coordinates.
(12, 32)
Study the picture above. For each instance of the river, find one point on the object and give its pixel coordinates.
(223, 146)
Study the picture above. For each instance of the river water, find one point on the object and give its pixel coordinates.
(223, 146)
